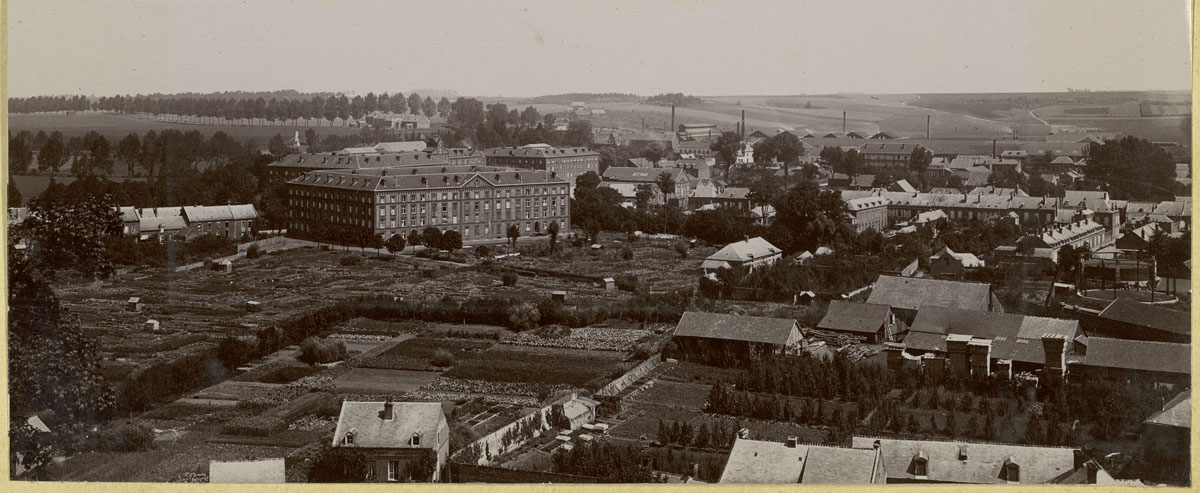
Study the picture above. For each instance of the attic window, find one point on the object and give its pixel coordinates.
(1012, 471)
(348, 439)
(920, 464)
(415, 441)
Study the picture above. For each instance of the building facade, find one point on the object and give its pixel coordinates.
(566, 163)
(479, 203)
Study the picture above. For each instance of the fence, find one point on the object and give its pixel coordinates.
(616, 386)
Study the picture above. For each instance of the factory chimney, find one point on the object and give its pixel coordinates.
(743, 129)
(993, 148)
(927, 118)
(843, 122)
(673, 118)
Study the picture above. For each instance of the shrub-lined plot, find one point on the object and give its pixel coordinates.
(513, 365)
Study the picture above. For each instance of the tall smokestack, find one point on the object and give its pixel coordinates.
(843, 122)
(743, 129)
(673, 118)
(993, 147)
(927, 117)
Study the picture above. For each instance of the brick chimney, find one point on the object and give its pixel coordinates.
(1055, 347)
(979, 352)
(387, 413)
(791, 442)
(956, 347)
(1093, 470)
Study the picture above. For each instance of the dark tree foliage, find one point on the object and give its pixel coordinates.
(1132, 168)
(338, 465)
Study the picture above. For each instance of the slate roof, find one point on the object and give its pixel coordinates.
(915, 293)
(387, 179)
(1176, 413)
(845, 316)
(169, 218)
(239, 212)
(905, 186)
(1124, 354)
(404, 146)
(372, 159)
(983, 464)
(735, 327)
(1014, 336)
(757, 461)
(129, 214)
(253, 471)
(372, 431)
(1143, 315)
(746, 250)
(643, 175)
(538, 151)
(966, 259)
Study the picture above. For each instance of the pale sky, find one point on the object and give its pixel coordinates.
(528, 48)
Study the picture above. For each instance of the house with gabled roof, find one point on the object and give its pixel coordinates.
(948, 263)
(907, 295)
(790, 462)
(230, 221)
(930, 461)
(875, 323)
(749, 254)
(699, 332)
(398, 439)
(981, 342)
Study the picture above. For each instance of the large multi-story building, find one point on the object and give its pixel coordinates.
(478, 202)
(460, 155)
(888, 154)
(567, 163)
(291, 166)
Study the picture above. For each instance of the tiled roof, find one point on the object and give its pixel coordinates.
(736, 327)
(1143, 315)
(253, 471)
(916, 293)
(1014, 337)
(966, 259)
(168, 218)
(845, 316)
(746, 250)
(757, 461)
(895, 148)
(1166, 357)
(862, 203)
(128, 214)
(370, 430)
(1175, 413)
(905, 186)
(983, 465)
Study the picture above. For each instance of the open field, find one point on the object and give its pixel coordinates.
(116, 126)
(516, 365)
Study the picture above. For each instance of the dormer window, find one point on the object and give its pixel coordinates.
(415, 441)
(920, 465)
(1012, 471)
(348, 439)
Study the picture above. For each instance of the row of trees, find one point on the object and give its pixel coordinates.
(721, 435)
(271, 108)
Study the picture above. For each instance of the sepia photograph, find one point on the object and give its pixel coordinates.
(804, 242)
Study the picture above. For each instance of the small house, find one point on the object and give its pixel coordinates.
(399, 439)
(152, 325)
(875, 323)
(134, 304)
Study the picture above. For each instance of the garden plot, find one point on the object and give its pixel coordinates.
(515, 365)
(683, 395)
(382, 381)
(426, 353)
(590, 338)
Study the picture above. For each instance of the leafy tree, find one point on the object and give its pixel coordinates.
(1133, 168)
(920, 159)
(681, 248)
(431, 237)
(666, 183)
(429, 107)
(414, 103)
(51, 156)
(14, 194)
(452, 240)
(338, 465)
(643, 196)
(783, 148)
(513, 233)
(654, 153)
(20, 153)
(552, 231)
(414, 239)
(395, 244)
(727, 146)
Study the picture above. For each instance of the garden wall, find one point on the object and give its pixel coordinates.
(616, 386)
(493, 443)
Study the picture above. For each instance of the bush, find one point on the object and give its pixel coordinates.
(126, 437)
(483, 250)
(253, 252)
(350, 260)
(627, 282)
(255, 426)
(313, 350)
(442, 358)
(509, 278)
(626, 252)
(681, 248)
